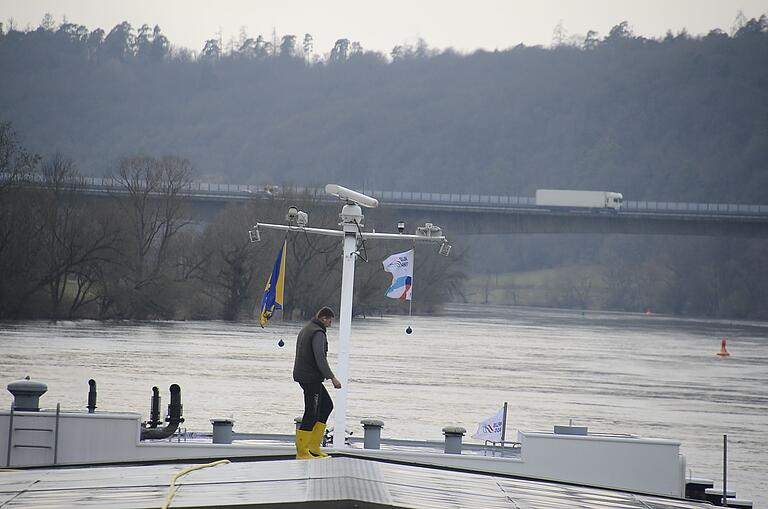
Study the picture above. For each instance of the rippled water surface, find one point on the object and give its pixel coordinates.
(619, 373)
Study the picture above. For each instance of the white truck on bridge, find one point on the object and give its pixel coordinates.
(578, 199)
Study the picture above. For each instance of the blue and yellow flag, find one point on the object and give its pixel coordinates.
(273, 292)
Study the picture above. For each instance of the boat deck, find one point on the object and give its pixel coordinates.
(338, 482)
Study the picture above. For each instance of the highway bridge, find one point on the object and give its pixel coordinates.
(462, 214)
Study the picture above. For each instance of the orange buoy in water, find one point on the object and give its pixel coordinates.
(723, 352)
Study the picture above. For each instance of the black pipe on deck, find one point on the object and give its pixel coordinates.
(91, 396)
(174, 418)
(154, 410)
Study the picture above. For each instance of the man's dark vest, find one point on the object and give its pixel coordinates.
(305, 368)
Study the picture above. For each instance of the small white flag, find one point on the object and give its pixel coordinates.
(400, 265)
(490, 429)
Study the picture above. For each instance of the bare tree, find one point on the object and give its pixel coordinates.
(74, 239)
(16, 164)
(20, 235)
(439, 278)
(155, 212)
(621, 274)
(18, 230)
(738, 22)
(559, 35)
(57, 214)
(229, 264)
(575, 290)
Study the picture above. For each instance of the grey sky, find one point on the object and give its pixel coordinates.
(379, 25)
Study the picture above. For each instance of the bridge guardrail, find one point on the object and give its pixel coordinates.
(705, 208)
(500, 201)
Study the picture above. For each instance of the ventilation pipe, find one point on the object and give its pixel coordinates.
(26, 394)
(174, 416)
(91, 396)
(154, 409)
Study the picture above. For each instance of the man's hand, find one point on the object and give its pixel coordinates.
(336, 382)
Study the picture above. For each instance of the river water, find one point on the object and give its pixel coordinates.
(613, 372)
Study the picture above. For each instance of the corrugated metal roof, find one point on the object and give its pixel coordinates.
(311, 482)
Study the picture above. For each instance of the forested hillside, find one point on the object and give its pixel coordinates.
(680, 119)
(683, 118)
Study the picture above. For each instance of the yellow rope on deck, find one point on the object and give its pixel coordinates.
(187, 470)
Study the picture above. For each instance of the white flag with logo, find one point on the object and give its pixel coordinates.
(400, 265)
(490, 429)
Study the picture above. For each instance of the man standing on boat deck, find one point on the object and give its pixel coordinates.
(310, 370)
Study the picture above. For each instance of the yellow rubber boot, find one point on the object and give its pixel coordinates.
(303, 439)
(317, 438)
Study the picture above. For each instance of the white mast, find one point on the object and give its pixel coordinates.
(345, 321)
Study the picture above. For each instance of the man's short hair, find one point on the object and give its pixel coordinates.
(325, 312)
